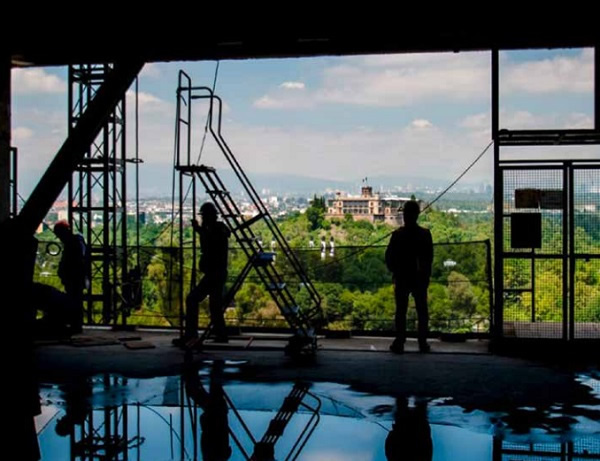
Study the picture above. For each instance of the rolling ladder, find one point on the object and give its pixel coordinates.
(302, 319)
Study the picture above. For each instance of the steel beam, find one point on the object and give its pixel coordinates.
(77, 143)
(5, 197)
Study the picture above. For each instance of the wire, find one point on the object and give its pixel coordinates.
(137, 170)
(173, 214)
(209, 116)
(335, 261)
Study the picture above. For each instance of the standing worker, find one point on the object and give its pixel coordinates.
(409, 256)
(72, 269)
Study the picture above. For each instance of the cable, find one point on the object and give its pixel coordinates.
(173, 214)
(424, 209)
(209, 116)
(137, 171)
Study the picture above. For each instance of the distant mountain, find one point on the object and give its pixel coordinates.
(155, 181)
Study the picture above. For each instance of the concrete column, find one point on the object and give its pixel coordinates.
(4, 136)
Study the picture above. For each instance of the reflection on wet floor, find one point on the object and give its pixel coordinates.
(209, 414)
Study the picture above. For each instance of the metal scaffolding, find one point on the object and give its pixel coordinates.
(539, 206)
(97, 195)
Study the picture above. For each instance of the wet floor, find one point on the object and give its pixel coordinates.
(209, 413)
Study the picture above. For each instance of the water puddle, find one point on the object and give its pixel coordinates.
(210, 414)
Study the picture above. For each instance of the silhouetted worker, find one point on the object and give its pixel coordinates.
(72, 269)
(214, 423)
(410, 437)
(409, 256)
(214, 245)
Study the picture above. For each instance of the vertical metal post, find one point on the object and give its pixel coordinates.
(533, 285)
(565, 250)
(490, 280)
(571, 248)
(70, 185)
(107, 308)
(137, 178)
(180, 253)
(498, 204)
(14, 183)
(5, 136)
(123, 199)
(597, 87)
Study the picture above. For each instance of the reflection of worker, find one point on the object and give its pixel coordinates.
(410, 437)
(409, 256)
(77, 406)
(214, 423)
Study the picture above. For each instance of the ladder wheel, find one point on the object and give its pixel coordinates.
(299, 346)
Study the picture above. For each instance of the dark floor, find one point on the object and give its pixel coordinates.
(466, 372)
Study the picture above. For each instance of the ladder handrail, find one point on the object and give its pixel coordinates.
(258, 203)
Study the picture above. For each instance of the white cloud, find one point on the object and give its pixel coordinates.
(151, 70)
(421, 123)
(147, 102)
(32, 81)
(392, 81)
(292, 85)
(291, 101)
(401, 80)
(21, 133)
(476, 121)
(577, 121)
(572, 74)
(331, 455)
(353, 153)
(410, 79)
(525, 120)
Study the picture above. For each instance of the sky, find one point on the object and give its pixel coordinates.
(339, 118)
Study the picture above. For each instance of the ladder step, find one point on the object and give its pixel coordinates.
(217, 192)
(286, 310)
(195, 169)
(276, 427)
(249, 222)
(290, 404)
(248, 239)
(277, 287)
(264, 259)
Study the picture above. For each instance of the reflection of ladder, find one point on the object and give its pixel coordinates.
(265, 448)
(302, 318)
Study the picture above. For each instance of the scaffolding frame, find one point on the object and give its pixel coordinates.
(97, 195)
(568, 255)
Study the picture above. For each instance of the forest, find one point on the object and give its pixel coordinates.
(352, 279)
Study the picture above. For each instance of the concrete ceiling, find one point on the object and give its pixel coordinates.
(101, 43)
